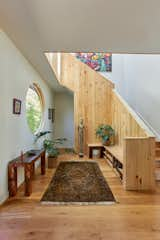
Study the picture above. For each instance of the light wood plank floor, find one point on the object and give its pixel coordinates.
(136, 216)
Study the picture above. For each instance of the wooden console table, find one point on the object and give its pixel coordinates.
(29, 169)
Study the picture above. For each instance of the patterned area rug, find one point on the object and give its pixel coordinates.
(77, 182)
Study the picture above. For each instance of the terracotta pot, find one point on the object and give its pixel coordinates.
(52, 162)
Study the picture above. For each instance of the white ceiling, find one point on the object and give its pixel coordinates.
(118, 26)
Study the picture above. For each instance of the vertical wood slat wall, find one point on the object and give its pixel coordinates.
(92, 96)
(96, 101)
(138, 144)
(124, 121)
(138, 163)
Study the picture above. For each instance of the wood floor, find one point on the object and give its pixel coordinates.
(135, 216)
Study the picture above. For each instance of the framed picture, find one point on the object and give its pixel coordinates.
(49, 114)
(53, 115)
(16, 106)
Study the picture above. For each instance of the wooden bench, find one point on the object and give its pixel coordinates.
(92, 146)
(114, 156)
(28, 162)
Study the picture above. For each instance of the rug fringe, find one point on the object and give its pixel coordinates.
(77, 203)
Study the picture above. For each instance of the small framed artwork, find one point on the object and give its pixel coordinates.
(49, 114)
(53, 115)
(16, 106)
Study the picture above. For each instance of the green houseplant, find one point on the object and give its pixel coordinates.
(51, 148)
(105, 132)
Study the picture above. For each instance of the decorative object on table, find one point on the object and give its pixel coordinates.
(98, 61)
(81, 138)
(105, 132)
(78, 182)
(31, 153)
(16, 106)
(51, 148)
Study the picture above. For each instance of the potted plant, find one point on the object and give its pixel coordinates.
(105, 132)
(51, 148)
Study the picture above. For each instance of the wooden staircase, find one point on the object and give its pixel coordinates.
(97, 102)
(157, 161)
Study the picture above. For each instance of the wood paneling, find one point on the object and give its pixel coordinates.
(138, 163)
(125, 121)
(137, 143)
(92, 95)
(96, 101)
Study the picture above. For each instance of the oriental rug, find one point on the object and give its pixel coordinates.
(78, 182)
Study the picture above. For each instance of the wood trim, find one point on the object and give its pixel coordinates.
(139, 155)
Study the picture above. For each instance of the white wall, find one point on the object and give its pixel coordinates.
(142, 87)
(117, 74)
(16, 74)
(64, 118)
(137, 79)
